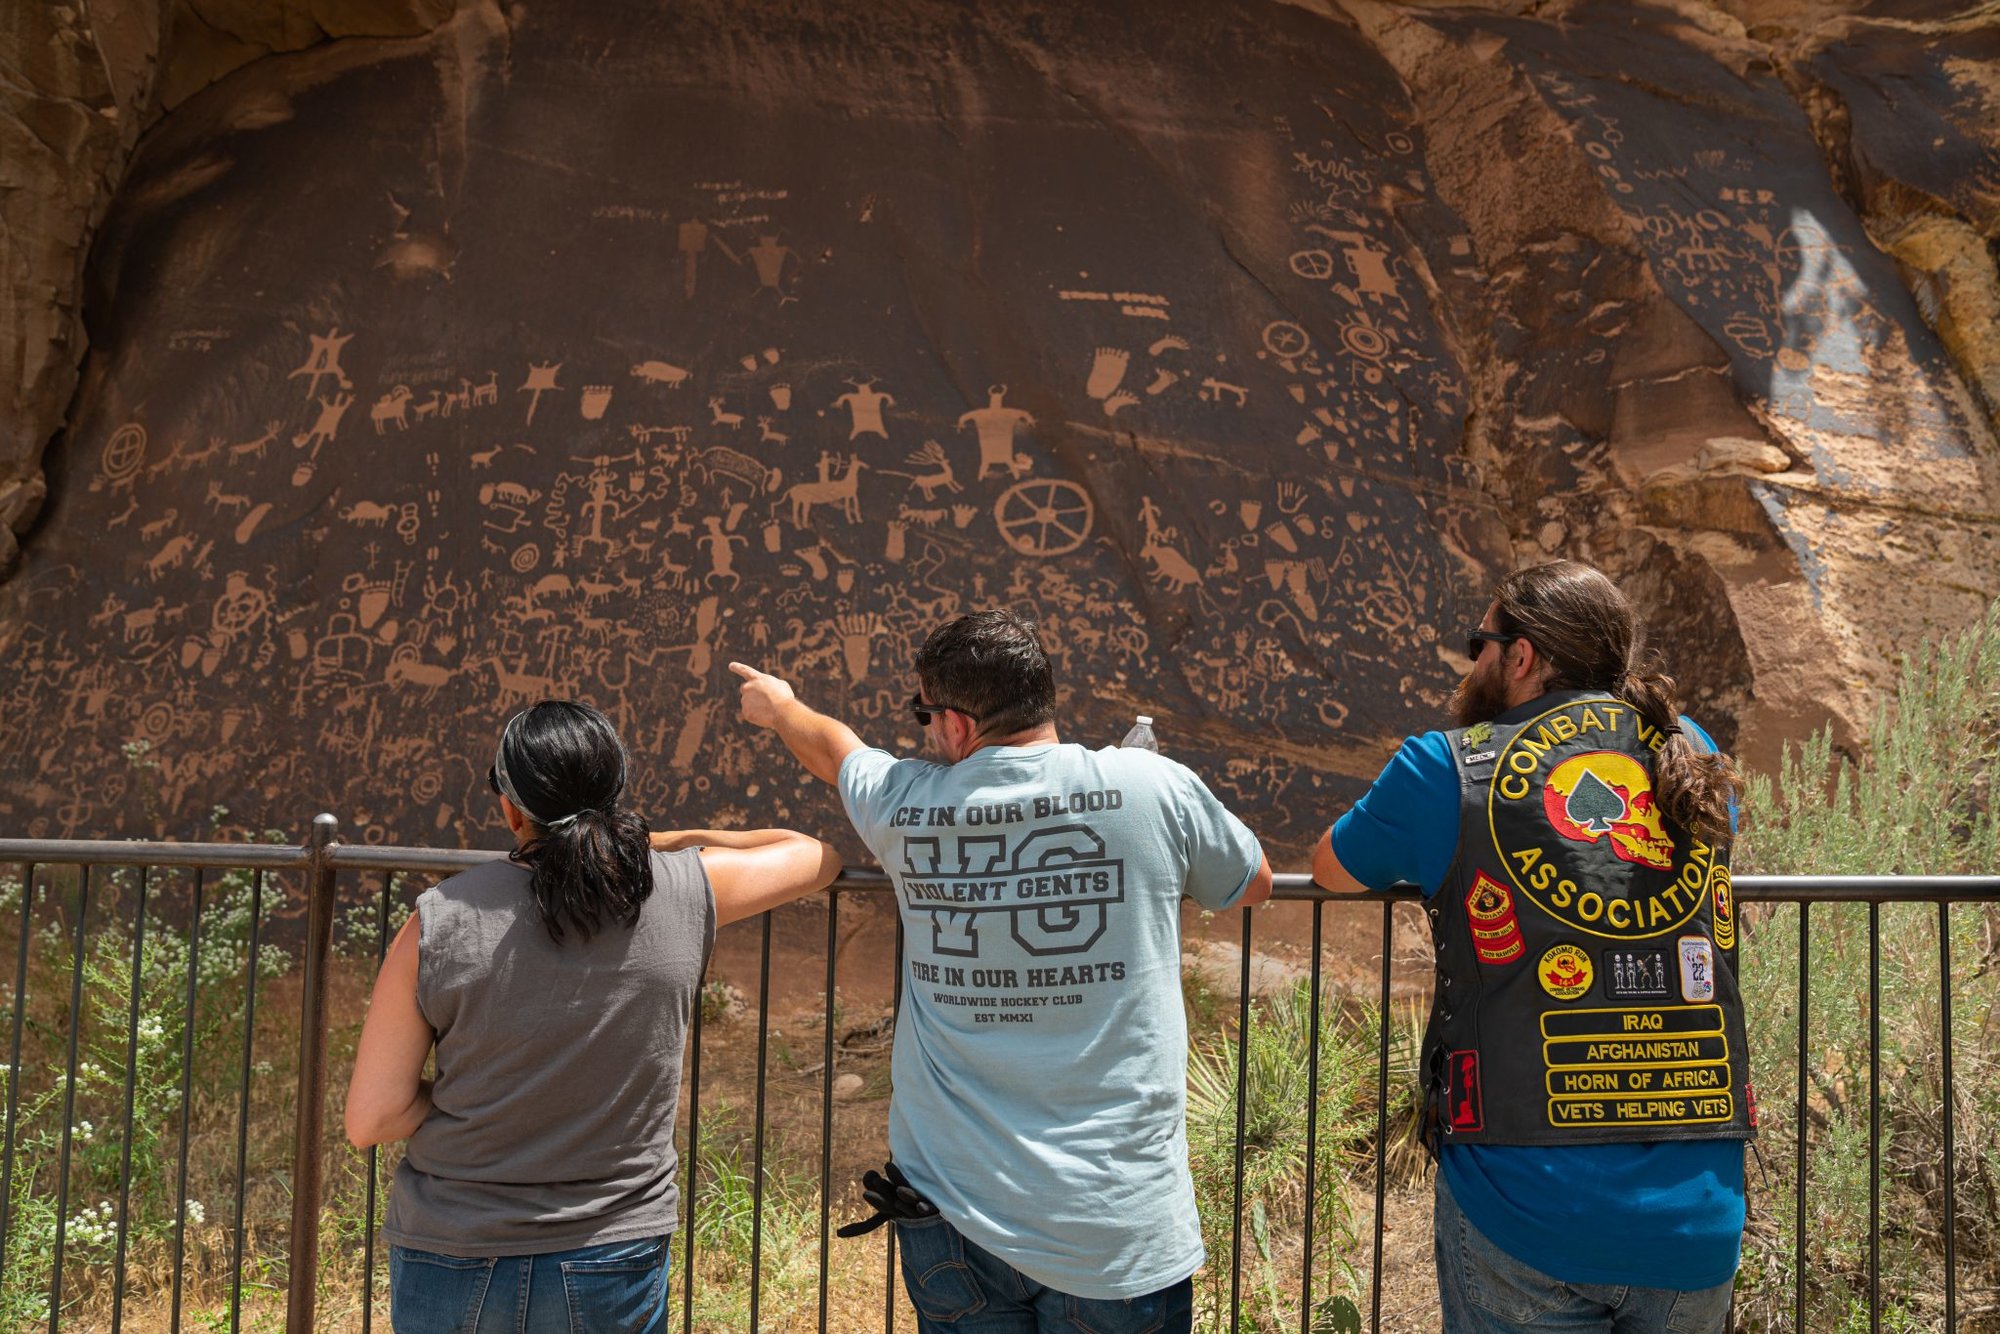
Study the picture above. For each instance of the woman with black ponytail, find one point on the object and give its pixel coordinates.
(555, 989)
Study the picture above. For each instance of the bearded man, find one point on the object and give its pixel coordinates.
(1586, 1080)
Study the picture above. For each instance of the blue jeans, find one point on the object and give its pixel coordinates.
(618, 1287)
(958, 1288)
(1484, 1290)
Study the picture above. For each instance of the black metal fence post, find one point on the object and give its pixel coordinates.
(309, 1134)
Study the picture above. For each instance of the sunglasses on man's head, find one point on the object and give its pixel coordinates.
(1476, 642)
(922, 711)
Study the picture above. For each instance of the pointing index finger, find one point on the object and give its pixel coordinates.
(745, 671)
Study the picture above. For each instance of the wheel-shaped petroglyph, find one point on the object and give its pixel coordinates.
(1044, 517)
(1285, 339)
(124, 451)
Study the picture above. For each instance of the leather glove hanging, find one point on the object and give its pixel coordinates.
(890, 1194)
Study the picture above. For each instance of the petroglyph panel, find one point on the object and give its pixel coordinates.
(793, 393)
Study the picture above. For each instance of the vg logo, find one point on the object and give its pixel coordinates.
(1055, 886)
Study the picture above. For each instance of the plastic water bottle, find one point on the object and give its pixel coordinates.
(1141, 736)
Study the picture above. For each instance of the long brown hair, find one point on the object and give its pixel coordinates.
(1585, 630)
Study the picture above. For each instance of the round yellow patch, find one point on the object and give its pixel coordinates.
(1565, 972)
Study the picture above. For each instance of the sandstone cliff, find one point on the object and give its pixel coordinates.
(438, 360)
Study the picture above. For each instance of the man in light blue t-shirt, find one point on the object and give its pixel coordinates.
(1041, 1053)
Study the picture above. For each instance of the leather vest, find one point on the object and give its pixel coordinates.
(1586, 948)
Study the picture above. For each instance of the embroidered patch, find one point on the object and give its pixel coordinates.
(1697, 968)
(1636, 975)
(1564, 972)
(1464, 1104)
(1477, 735)
(1725, 908)
(1489, 911)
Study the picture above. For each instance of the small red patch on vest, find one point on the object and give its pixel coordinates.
(1463, 1102)
(1750, 1101)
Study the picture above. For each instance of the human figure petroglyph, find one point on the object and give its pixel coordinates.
(843, 491)
(938, 474)
(864, 404)
(768, 258)
(996, 424)
(324, 359)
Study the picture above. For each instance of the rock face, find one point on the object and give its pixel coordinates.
(579, 349)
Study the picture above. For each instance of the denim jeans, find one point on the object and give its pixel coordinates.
(620, 1287)
(1484, 1290)
(958, 1288)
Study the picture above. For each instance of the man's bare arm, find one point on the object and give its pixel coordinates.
(818, 742)
(1328, 873)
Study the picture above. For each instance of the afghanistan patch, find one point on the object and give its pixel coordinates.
(1489, 912)
(1697, 968)
(1464, 1104)
(1564, 972)
(1636, 975)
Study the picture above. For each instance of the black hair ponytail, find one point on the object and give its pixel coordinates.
(563, 767)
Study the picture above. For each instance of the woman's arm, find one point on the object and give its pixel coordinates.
(759, 869)
(388, 1097)
(674, 840)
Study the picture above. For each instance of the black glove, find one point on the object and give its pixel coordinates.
(892, 1197)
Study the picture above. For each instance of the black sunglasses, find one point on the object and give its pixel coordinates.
(1476, 642)
(922, 711)
(493, 778)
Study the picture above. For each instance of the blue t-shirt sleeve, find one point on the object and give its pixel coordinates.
(1222, 852)
(869, 790)
(1405, 827)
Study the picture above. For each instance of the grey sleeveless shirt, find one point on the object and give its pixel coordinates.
(558, 1067)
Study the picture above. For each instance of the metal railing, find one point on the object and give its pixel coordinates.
(320, 860)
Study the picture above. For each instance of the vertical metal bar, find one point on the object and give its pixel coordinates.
(20, 1006)
(757, 1131)
(1381, 1116)
(131, 1097)
(69, 1094)
(243, 1103)
(1950, 1097)
(1242, 1115)
(309, 1128)
(691, 1166)
(826, 1104)
(186, 1103)
(1874, 1118)
(374, 1150)
(896, 1010)
(1799, 1270)
(1312, 1130)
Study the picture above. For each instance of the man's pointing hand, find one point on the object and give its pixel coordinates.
(762, 694)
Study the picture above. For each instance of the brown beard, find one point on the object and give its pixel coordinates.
(1479, 698)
